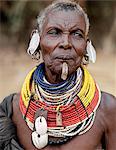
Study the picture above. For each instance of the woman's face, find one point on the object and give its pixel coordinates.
(63, 40)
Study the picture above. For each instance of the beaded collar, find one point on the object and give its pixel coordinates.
(60, 88)
(71, 105)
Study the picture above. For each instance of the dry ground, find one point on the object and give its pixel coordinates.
(15, 66)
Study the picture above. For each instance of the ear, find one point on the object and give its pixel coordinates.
(33, 31)
(90, 56)
(87, 39)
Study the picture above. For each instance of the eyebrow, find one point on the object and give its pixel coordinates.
(72, 29)
(77, 28)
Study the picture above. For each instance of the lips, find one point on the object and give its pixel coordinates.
(63, 57)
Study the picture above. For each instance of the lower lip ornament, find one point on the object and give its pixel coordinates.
(64, 71)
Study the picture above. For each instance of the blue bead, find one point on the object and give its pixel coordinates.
(59, 88)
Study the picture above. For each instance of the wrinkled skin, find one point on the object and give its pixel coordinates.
(63, 40)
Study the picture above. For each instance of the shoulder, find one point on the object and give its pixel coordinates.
(108, 119)
(108, 109)
(7, 128)
(6, 105)
(16, 100)
(108, 102)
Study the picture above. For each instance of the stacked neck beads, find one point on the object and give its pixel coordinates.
(71, 105)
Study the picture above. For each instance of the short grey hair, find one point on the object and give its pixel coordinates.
(61, 5)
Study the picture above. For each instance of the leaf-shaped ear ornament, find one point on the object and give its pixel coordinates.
(90, 56)
(91, 53)
(34, 43)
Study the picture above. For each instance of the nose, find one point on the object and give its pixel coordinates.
(65, 42)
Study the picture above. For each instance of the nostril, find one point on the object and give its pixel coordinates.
(61, 46)
(65, 46)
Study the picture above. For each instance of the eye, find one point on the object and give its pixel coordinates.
(77, 33)
(54, 32)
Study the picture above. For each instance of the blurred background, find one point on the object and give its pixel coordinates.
(18, 19)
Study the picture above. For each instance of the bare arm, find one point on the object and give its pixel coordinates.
(109, 107)
(23, 132)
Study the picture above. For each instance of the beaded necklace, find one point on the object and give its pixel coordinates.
(39, 78)
(74, 102)
(58, 99)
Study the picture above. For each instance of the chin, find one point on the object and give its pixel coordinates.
(57, 69)
(73, 68)
(56, 66)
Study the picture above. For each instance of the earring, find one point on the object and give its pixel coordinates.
(85, 60)
(90, 56)
(34, 43)
(37, 56)
(91, 53)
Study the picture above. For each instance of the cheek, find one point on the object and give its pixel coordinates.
(47, 48)
(47, 45)
(80, 48)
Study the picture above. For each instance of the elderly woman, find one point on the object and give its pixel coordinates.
(60, 106)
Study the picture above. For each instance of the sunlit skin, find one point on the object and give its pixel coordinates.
(68, 44)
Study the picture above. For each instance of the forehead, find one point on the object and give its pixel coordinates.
(65, 19)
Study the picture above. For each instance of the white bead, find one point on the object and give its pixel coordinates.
(41, 125)
(41, 141)
(34, 43)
